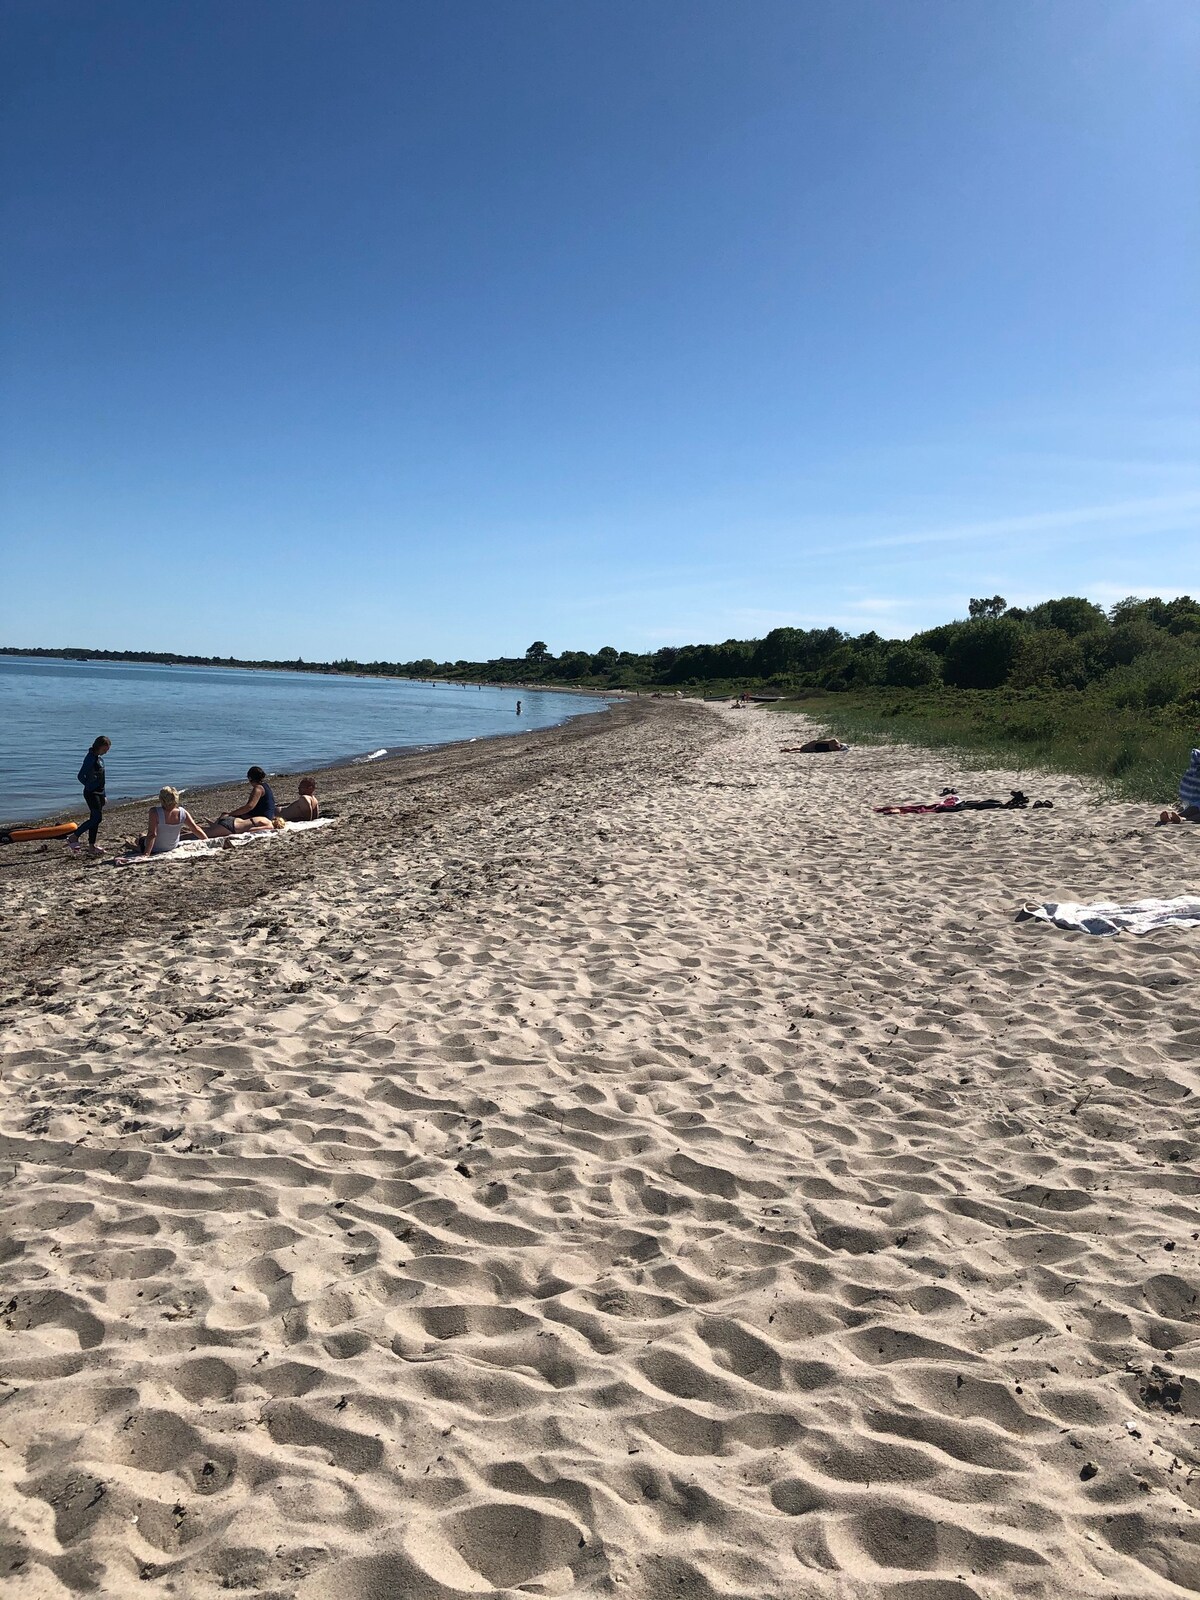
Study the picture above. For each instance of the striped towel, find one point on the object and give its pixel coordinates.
(1189, 784)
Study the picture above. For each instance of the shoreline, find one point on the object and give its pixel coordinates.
(76, 811)
(360, 794)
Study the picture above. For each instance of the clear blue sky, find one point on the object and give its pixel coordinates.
(400, 329)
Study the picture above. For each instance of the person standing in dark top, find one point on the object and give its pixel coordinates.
(91, 776)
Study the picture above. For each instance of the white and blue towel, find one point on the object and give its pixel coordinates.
(193, 849)
(1109, 917)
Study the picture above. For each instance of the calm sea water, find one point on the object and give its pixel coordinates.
(191, 726)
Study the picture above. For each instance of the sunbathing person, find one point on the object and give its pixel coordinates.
(306, 807)
(256, 814)
(166, 821)
(951, 803)
(814, 747)
(948, 802)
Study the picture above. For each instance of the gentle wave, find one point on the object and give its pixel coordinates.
(374, 756)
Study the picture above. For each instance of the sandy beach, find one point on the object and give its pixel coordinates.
(610, 1161)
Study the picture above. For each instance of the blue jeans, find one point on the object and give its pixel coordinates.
(95, 804)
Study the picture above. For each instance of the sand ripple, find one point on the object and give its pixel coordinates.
(674, 1181)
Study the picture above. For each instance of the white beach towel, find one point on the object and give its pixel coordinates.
(190, 849)
(1107, 917)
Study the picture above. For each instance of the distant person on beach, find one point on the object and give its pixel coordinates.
(91, 776)
(166, 821)
(1189, 794)
(814, 747)
(306, 807)
(256, 813)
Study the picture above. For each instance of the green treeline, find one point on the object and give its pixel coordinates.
(1140, 655)
(1061, 685)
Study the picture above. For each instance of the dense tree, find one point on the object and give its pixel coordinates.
(936, 639)
(1048, 658)
(1071, 615)
(781, 651)
(1178, 616)
(981, 654)
(908, 667)
(574, 664)
(1134, 636)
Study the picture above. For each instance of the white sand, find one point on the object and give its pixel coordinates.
(702, 1187)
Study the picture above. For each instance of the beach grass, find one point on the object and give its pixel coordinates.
(1135, 755)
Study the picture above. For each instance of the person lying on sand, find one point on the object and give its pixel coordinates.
(950, 802)
(165, 822)
(306, 807)
(1189, 795)
(1017, 801)
(258, 811)
(814, 747)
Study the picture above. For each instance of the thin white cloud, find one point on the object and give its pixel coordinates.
(1143, 516)
(880, 607)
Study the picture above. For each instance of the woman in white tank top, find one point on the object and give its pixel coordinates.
(167, 821)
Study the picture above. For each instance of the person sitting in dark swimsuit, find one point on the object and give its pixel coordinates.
(257, 813)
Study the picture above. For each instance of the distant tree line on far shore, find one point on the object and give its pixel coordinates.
(1141, 654)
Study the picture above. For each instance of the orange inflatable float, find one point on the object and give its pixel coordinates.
(52, 830)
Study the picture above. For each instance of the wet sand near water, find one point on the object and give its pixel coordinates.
(378, 805)
(611, 1161)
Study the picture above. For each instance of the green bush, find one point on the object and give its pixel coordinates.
(1139, 754)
